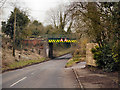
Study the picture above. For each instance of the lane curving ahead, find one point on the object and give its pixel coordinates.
(50, 74)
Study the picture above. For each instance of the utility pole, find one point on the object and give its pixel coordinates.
(14, 32)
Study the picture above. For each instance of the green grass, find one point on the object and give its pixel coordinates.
(71, 62)
(22, 63)
(74, 60)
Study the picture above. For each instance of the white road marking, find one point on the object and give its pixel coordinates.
(18, 81)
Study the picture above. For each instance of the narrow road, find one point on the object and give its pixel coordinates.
(50, 74)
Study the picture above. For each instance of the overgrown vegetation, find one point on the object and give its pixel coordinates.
(79, 52)
(105, 58)
(100, 22)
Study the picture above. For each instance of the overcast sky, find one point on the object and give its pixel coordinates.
(36, 8)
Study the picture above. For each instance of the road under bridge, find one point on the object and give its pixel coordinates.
(46, 43)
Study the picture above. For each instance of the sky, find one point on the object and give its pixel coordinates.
(37, 9)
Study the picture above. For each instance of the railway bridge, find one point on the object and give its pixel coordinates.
(45, 43)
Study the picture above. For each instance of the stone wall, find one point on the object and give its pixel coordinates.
(89, 55)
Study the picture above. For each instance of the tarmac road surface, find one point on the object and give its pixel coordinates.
(50, 74)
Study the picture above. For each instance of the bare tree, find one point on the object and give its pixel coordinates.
(60, 18)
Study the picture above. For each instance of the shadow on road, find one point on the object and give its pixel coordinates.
(61, 58)
(68, 56)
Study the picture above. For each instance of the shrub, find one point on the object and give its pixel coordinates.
(105, 58)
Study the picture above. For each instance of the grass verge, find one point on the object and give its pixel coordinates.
(22, 63)
(74, 60)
